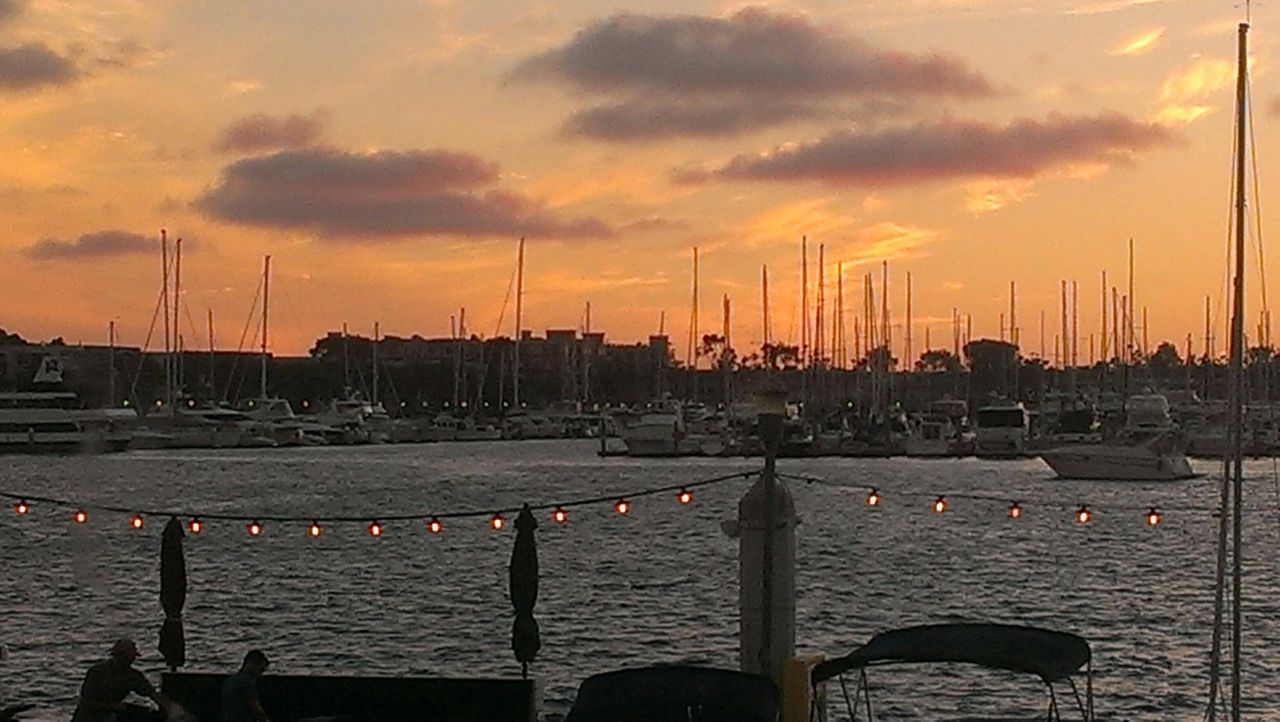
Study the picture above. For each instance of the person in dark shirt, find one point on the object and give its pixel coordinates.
(108, 682)
(240, 691)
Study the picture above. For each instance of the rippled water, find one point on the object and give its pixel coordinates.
(657, 586)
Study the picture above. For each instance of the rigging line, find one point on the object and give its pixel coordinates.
(248, 321)
(1257, 209)
(469, 513)
(137, 374)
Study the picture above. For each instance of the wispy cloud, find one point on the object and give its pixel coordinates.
(97, 244)
(1112, 6)
(1140, 44)
(261, 132)
(1184, 92)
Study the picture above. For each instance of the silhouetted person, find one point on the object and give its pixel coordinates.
(240, 691)
(108, 682)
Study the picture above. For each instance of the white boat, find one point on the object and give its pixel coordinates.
(48, 418)
(1002, 431)
(447, 427)
(1149, 448)
(659, 429)
(276, 420)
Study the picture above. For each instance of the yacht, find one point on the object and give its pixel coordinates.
(1003, 431)
(659, 429)
(48, 417)
(1148, 448)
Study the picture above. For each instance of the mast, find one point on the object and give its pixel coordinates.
(884, 309)
(1102, 340)
(804, 301)
(376, 337)
(266, 305)
(212, 357)
(168, 324)
(691, 349)
(515, 365)
(1075, 324)
(1013, 312)
(346, 358)
(819, 342)
(907, 357)
(1128, 344)
(838, 332)
(177, 324)
(111, 359)
(764, 302)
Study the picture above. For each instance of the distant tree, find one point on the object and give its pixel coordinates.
(1164, 360)
(938, 360)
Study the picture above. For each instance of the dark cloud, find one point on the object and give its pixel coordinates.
(654, 224)
(34, 65)
(97, 244)
(383, 194)
(9, 9)
(648, 118)
(261, 132)
(698, 75)
(928, 151)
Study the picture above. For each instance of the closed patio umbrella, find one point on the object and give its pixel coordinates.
(524, 590)
(173, 594)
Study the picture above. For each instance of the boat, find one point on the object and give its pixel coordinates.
(659, 429)
(48, 418)
(942, 431)
(1002, 431)
(447, 427)
(675, 693)
(1149, 447)
(1057, 658)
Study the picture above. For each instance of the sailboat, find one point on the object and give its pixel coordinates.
(1232, 487)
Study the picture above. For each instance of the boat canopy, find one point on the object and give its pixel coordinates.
(1052, 656)
(675, 693)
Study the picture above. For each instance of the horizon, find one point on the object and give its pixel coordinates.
(389, 158)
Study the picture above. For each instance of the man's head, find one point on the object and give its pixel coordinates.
(255, 662)
(124, 650)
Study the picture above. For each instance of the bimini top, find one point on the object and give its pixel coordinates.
(1050, 655)
(675, 694)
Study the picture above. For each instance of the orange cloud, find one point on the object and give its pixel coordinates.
(1140, 44)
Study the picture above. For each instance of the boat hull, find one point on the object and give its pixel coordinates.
(1116, 463)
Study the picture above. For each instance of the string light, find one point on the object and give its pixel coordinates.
(940, 505)
(685, 496)
(622, 506)
(80, 516)
(315, 529)
(873, 497)
(375, 529)
(559, 515)
(498, 522)
(254, 528)
(1083, 515)
(1153, 517)
(22, 508)
(195, 526)
(136, 521)
(1015, 511)
(434, 526)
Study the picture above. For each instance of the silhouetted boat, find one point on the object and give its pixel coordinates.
(675, 694)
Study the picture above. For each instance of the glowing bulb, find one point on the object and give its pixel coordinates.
(434, 526)
(1015, 511)
(254, 528)
(622, 506)
(375, 529)
(315, 529)
(497, 522)
(1083, 515)
(136, 521)
(939, 505)
(22, 508)
(195, 526)
(685, 496)
(80, 517)
(559, 515)
(873, 497)
(1153, 517)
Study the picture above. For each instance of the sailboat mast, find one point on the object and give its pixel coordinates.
(515, 365)
(377, 335)
(764, 302)
(212, 357)
(111, 374)
(804, 301)
(266, 305)
(168, 324)
(1237, 370)
(177, 324)
(907, 358)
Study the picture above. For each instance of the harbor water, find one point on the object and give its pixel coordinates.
(657, 585)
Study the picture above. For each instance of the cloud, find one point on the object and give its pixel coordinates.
(385, 194)
(1112, 6)
(1183, 92)
(9, 9)
(699, 75)
(950, 148)
(98, 244)
(34, 65)
(260, 132)
(654, 224)
(1140, 44)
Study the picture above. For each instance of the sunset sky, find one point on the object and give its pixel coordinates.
(388, 154)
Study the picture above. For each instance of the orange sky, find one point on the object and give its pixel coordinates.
(389, 154)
